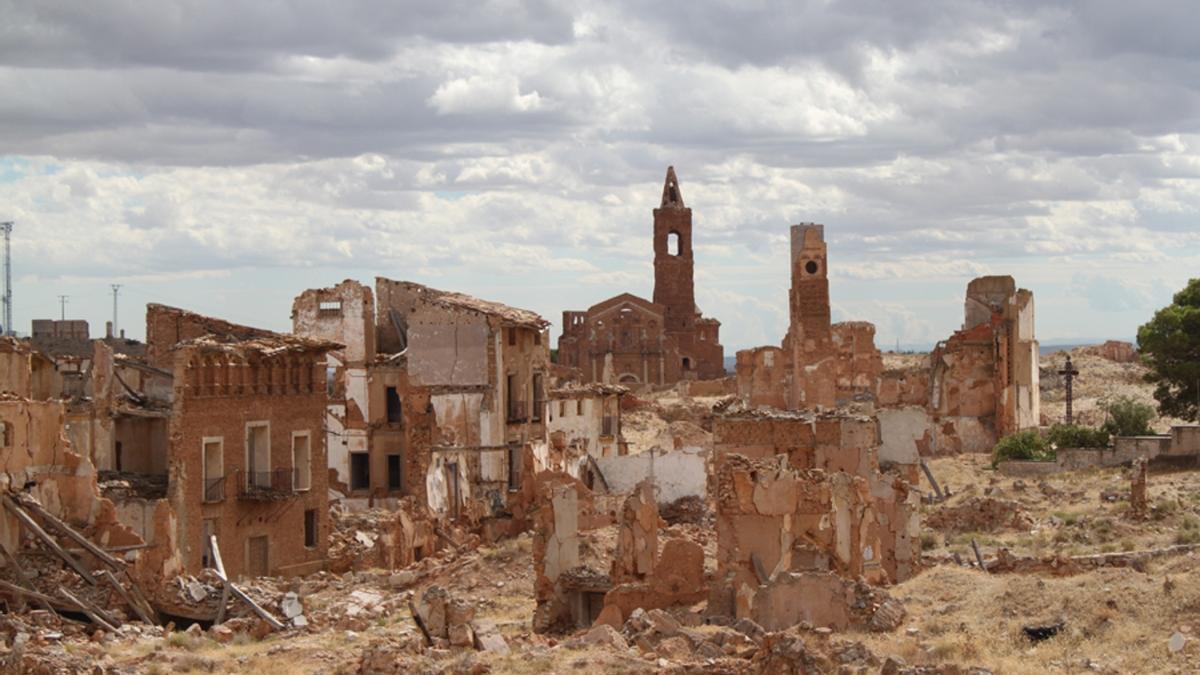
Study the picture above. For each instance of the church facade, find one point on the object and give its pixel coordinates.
(633, 341)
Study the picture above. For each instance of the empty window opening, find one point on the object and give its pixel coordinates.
(301, 461)
(452, 493)
(538, 396)
(562, 408)
(6, 434)
(687, 363)
(579, 407)
(330, 380)
(214, 470)
(393, 466)
(512, 337)
(674, 193)
(310, 528)
(516, 407)
(811, 267)
(673, 243)
(360, 471)
(395, 410)
(514, 467)
(258, 456)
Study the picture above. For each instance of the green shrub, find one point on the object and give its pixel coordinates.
(1075, 436)
(1127, 417)
(1023, 445)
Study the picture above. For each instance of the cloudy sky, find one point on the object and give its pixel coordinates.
(225, 159)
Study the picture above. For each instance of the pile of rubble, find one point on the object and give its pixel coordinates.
(690, 509)
(980, 514)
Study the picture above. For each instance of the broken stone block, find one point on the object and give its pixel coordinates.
(461, 635)
(749, 628)
(290, 606)
(637, 621)
(662, 623)
(488, 639)
(605, 636)
(402, 579)
(430, 609)
(1176, 643)
(196, 591)
(221, 634)
(610, 615)
(675, 648)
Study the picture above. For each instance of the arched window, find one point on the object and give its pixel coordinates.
(687, 363)
(673, 244)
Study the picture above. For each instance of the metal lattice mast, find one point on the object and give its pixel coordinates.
(7, 228)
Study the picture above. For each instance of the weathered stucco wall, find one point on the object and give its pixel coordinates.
(675, 474)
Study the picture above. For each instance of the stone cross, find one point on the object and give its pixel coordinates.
(1069, 372)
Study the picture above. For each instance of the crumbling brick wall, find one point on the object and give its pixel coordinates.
(880, 535)
(166, 326)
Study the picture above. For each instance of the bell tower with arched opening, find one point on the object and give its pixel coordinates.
(674, 287)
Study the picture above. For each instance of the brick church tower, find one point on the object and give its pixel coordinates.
(674, 287)
(808, 299)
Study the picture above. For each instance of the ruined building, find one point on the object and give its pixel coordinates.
(435, 395)
(219, 432)
(633, 341)
(978, 385)
(583, 424)
(820, 363)
(38, 462)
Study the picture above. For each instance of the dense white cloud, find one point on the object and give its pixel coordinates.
(515, 149)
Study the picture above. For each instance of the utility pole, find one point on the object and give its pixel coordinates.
(115, 289)
(7, 227)
(62, 307)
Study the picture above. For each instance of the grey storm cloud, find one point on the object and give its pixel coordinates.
(198, 35)
(930, 135)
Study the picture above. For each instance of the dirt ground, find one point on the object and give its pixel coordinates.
(1073, 513)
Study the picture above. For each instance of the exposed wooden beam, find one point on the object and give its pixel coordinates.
(28, 522)
(237, 592)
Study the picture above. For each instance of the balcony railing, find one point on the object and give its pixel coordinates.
(214, 489)
(516, 411)
(608, 426)
(266, 485)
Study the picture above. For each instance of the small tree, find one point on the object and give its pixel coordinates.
(1170, 347)
(1127, 417)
